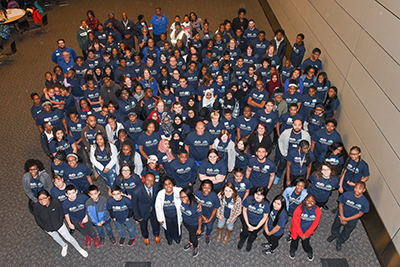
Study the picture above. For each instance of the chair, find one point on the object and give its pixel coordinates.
(10, 52)
(23, 26)
(44, 20)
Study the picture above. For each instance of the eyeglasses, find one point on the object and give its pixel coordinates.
(43, 198)
(33, 169)
(325, 170)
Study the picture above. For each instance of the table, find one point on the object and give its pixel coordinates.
(13, 15)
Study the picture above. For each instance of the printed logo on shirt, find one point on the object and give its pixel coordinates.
(186, 212)
(119, 208)
(77, 208)
(352, 169)
(305, 217)
(353, 205)
(324, 141)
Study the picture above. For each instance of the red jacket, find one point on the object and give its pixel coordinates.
(295, 229)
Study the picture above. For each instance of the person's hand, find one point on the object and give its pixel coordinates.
(129, 196)
(106, 170)
(71, 226)
(85, 220)
(190, 184)
(161, 222)
(351, 183)
(304, 237)
(78, 147)
(288, 182)
(127, 219)
(251, 228)
(140, 220)
(100, 223)
(198, 232)
(127, 36)
(230, 170)
(114, 219)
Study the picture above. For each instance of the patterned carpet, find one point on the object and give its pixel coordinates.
(24, 244)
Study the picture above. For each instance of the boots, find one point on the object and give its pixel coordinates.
(219, 234)
(227, 234)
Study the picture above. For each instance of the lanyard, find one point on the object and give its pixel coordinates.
(301, 160)
(262, 166)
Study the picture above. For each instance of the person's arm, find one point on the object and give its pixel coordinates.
(262, 222)
(27, 188)
(64, 123)
(248, 172)
(246, 194)
(198, 232)
(312, 146)
(74, 147)
(288, 164)
(211, 217)
(308, 170)
(68, 220)
(295, 229)
(245, 217)
(219, 178)
(89, 179)
(142, 152)
(251, 102)
(187, 148)
(114, 157)
(271, 180)
(238, 135)
(341, 182)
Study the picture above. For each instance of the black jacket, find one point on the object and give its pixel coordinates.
(49, 218)
(45, 144)
(142, 204)
(281, 50)
(255, 144)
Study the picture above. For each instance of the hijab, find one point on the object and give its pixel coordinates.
(195, 106)
(168, 128)
(175, 145)
(162, 149)
(272, 85)
(229, 103)
(178, 127)
(208, 102)
(192, 121)
(151, 114)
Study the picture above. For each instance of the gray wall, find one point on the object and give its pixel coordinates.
(360, 42)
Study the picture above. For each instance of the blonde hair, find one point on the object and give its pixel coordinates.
(214, 115)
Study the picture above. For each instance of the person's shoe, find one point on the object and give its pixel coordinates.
(268, 251)
(146, 241)
(325, 207)
(310, 256)
(240, 245)
(83, 253)
(288, 239)
(265, 245)
(96, 242)
(219, 234)
(195, 252)
(178, 241)
(102, 241)
(131, 242)
(331, 238)
(64, 250)
(170, 242)
(292, 254)
(249, 246)
(338, 246)
(113, 241)
(158, 239)
(199, 236)
(227, 235)
(276, 180)
(87, 241)
(208, 239)
(121, 241)
(187, 246)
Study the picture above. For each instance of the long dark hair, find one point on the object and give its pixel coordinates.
(63, 139)
(213, 150)
(107, 146)
(245, 144)
(318, 172)
(261, 190)
(189, 193)
(322, 118)
(348, 161)
(231, 186)
(121, 177)
(328, 101)
(332, 147)
(302, 144)
(283, 208)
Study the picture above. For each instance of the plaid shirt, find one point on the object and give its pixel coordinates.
(237, 207)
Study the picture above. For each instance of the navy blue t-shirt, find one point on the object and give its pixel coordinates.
(352, 205)
(269, 119)
(230, 126)
(298, 166)
(360, 171)
(169, 206)
(190, 214)
(59, 170)
(214, 130)
(322, 189)
(55, 117)
(199, 145)
(287, 121)
(324, 140)
(102, 157)
(307, 105)
(260, 172)
(149, 143)
(334, 160)
(228, 207)
(35, 186)
(307, 218)
(59, 194)
(255, 212)
(168, 100)
(78, 176)
(75, 209)
(293, 201)
(184, 174)
(281, 222)
(134, 129)
(246, 127)
(242, 161)
(292, 99)
(184, 93)
(76, 129)
(258, 97)
(209, 203)
(120, 209)
(128, 185)
(241, 186)
(93, 96)
(65, 145)
(209, 169)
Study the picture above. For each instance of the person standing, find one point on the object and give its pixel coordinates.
(159, 23)
(298, 51)
(128, 29)
(49, 215)
(82, 36)
(61, 48)
(280, 44)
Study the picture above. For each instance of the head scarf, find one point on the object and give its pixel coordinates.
(168, 128)
(151, 114)
(162, 149)
(208, 102)
(272, 85)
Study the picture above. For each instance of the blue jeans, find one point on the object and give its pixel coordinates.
(221, 224)
(129, 225)
(109, 177)
(209, 227)
(107, 225)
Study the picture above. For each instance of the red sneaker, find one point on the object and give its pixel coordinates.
(87, 241)
(96, 242)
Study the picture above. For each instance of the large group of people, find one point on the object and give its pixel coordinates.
(154, 108)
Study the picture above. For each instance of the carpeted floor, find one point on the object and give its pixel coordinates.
(24, 244)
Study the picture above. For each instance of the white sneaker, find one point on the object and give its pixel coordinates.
(64, 250)
(83, 253)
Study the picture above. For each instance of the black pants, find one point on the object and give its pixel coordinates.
(156, 38)
(85, 228)
(155, 225)
(273, 240)
(192, 233)
(250, 235)
(172, 232)
(347, 229)
(30, 205)
(305, 243)
(293, 178)
(254, 188)
(320, 204)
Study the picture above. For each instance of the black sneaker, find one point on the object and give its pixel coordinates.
(187, 246)
(102, 241)
(288, 239)
(331, 238)
(113, 241)
(338, 246)
(248, 247)
(178, 241)
(131, 242)
(265, 245)
(240, 245)
(170, 242)
(268, 251)
(199, 236)
(208, 239)
(310, 256)
(121, 241)
(292, 254)
(325, 207)
(195, 252)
